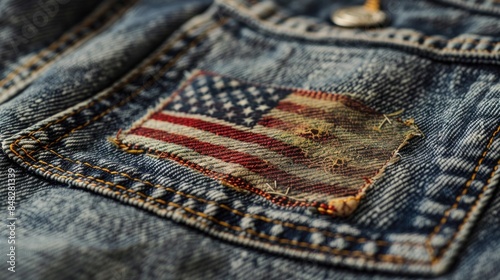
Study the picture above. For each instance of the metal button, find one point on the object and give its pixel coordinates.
(359, 16)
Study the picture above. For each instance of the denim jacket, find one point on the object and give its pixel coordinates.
(249, 139)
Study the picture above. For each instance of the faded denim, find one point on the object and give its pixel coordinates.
(82, 209)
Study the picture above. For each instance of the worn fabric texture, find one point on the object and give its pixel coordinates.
(249, 140)
(295, 147)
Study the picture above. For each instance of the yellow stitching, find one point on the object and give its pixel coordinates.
(392, 40)
(386, 258)
(358, 254)
(448, 244)
(52, 47)
(444, 219)
(234, 211)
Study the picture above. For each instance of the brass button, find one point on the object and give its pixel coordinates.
(368, 15)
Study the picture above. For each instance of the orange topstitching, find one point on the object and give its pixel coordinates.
(357, 254)
(444, 219)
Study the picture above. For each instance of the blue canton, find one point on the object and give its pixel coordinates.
(227, 99)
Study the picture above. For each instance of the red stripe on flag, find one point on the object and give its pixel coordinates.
(250, 162)
(347, 101)
(273, 122)
(290, 107)
(276, 123)
(339, 119)
(223, 130)
(311, 112)
(349, 170)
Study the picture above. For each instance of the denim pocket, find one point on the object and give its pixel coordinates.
(413, 219)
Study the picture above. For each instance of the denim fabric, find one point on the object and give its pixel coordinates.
(88, 209)
(31, 25)
(32, 38)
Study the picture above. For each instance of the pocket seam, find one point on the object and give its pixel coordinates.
(388, 258)
(53, 48)
(396, 38)
(114, 88)
(351, 253)
(435, 256)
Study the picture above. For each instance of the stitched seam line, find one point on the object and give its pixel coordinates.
(384, 38)
(465, 190)
(120, 86)
(62, 41)
(485, 187)
(187, 217)
(424, 37)
(384, 257)
(234, 211)
(357, 254)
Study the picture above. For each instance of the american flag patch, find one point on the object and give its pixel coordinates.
(294, 147)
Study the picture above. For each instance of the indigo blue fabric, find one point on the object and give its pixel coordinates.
(88, 209)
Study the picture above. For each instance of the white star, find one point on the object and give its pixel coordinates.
(230, 114)
(219, 85)
(270, 90)
(177, 98)
(209, 103)
(243, 102)
(206, 97)
(253, 91)
(193, 109)
(234, 83)
(192, 100)
(248, 121)
(275, 98)
(177, 106)
(238, 93)
(189, 93)
(247, 111)
(227, 105)
(260, 99)
(202, 82)
(211, 111)
(262, 107)
(204, 89)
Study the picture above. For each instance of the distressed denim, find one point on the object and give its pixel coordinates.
(94, 200)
